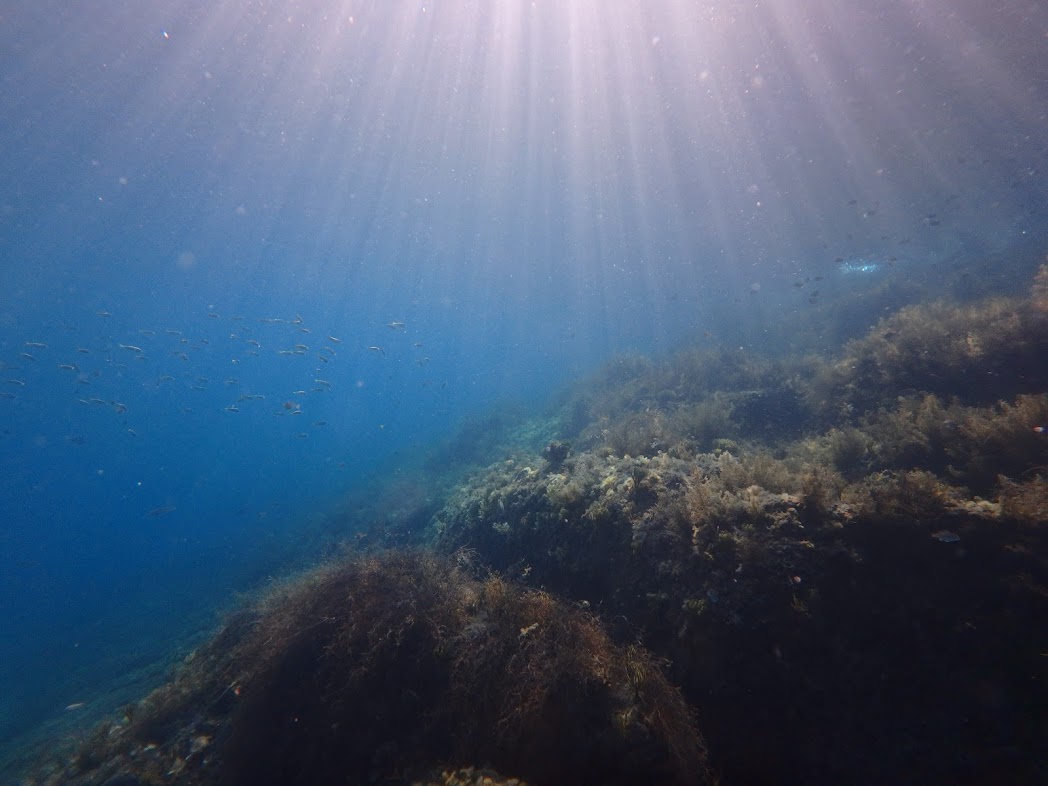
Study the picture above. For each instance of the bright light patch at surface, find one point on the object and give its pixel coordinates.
(608, 156)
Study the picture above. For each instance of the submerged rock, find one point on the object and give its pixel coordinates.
(818, 627)
(382, 669)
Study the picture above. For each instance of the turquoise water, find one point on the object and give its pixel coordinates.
(255, 258)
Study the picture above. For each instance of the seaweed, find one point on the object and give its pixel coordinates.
(1026, 502)
(392, 666)
(976, 353)
(773, 584)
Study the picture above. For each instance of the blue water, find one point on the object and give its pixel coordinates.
(528, 188)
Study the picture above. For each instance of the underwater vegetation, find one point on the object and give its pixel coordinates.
(402, 668)
(977, 353)
(860, 633)
(640, 407)
(842, 563)
(848, 576)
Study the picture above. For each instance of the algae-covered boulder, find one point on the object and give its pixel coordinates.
(884, 630)
(391, 668)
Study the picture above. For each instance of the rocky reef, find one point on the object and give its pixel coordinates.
(402, 668)
(841, 563)
(854, 598)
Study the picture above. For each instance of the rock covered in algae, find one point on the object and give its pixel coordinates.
(381, 668)
(822, 628)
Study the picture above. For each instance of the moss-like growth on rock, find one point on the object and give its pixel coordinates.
(799, 611)
(977, 353)
(381, 669)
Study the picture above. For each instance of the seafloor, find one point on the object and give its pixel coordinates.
(711, 568)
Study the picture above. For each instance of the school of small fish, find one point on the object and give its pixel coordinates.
(104, 369)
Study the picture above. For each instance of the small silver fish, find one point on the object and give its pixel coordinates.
(945, 536)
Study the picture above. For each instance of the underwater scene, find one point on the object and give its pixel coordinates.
(512, 392)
